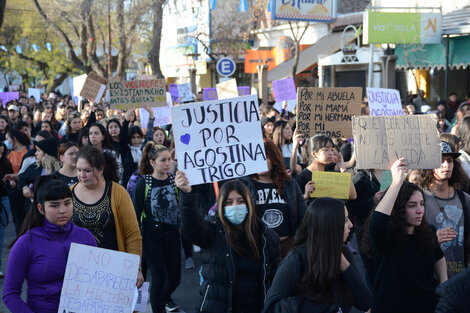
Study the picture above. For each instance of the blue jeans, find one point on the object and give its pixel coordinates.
(4, 217)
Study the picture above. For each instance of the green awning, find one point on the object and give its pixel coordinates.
(433, 56)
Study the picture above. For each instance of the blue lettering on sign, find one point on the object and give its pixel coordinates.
(298, 2)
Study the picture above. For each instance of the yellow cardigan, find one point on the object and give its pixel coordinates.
(128, 234)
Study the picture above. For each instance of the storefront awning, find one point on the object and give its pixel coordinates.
(433, 56)
(324, 46)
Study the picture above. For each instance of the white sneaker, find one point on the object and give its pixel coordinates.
(189, 264)
(196, 248)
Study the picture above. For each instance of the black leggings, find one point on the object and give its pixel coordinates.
(162, 251)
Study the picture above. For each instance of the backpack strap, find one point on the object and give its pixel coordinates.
(147, 194)
(173, 185)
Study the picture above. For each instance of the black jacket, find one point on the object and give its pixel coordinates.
(29, 175)
(284, 296)
(293, 197)
(366, 187)
(218, 269)
(454, 294)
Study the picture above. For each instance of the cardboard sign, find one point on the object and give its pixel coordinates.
(34, 92)
(142, 298)
(8, 96)
(331, 184)
(137, 93)
(384, 102)
(184, 92)
(381, 140)
(98, 280)
(94, 87)
(173, 89)
(284, 89)
(327, 111)
(244, 90)
(217, 140)
(162, 115)
(209, 94)
(227, 89)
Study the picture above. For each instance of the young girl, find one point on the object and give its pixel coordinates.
(319, 270)
(73, 127)
(407, 257)
(39, 254)
(156, 203)
(67, 154)
(282, 138)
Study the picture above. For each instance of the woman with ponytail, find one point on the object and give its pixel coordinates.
(155, 199)
(39, 253)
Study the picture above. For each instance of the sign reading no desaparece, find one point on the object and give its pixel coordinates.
(327, 111)
(380, 140)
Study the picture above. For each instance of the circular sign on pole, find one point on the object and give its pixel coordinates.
(226, 67)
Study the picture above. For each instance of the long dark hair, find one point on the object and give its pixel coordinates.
(106, 143)
(5, 165)
(427, 240)
(82, 133)
(278, 139)
(249, 245)
(46, 188)
(321, 234)
(19, 136)
(150, 152)
(314, 144)
(278, 173)
(7, 128)
(114, 121)
(100, 160)
(134, 129)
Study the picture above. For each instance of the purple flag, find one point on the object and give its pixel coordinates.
(284, 89)
(173, 89)
(9, 95)
(244, 90)
(209, 94)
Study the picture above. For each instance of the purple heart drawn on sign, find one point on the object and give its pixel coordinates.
(185, 139)
(128, 264)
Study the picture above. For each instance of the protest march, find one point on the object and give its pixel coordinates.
(281, 157)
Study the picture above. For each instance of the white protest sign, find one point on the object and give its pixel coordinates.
(162, 114)
(227, 89)
(219, 139)
(142, 298)
(381, 140)
(36, 93)
(184, 92)
(98, 280)
(78, 82)
(384, 102)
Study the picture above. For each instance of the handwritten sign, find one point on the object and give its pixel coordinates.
(173, 89)
(94, 87)
(98, 280)
(227, 89)
(137, 93)
(185, 93)
(142, 298)
(8, 96)
(209, 94)
(384, 102)
(331, 184)
(327, 111)
(244, 90)
(284, 89)
(380, 140)
(162, 114)
(217, 140)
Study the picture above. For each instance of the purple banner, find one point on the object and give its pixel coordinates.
(284, 89)
(173, 89)
(9, 95)
(244, 90)
(209, 94)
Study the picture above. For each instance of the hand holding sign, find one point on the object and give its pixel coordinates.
(182, 182)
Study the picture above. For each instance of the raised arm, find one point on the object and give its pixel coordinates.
(399, 171)
(296, 141)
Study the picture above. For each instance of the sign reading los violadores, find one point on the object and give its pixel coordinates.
(327, 111)
(137, 93)
(217, 140)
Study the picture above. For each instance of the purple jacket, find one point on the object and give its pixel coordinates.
(40, 257)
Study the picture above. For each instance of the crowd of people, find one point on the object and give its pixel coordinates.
(95, 175)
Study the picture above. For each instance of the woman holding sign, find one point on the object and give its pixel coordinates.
(407, 257)
(239, 253)
(39, 254)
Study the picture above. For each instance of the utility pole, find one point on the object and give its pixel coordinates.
(110, 70)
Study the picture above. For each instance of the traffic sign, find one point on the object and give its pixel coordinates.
(226, 67)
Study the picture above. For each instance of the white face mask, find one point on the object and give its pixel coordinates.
(236, 213)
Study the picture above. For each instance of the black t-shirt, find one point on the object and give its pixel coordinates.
(272, 208)
(70, 181)
(404, 279)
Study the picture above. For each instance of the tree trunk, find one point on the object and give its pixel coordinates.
(122, 57)
(58, 81)
(296, 59)
(154, 54)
